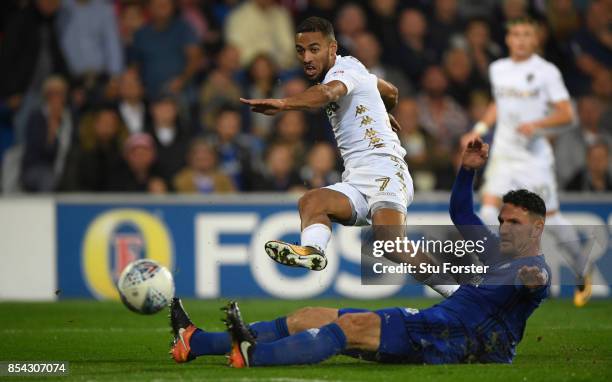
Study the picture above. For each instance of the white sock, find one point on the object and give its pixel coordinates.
(316, 235)
(489, 214)
(565, 234)
(445, 290)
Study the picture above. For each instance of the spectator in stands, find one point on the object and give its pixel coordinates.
(132, 108)
(289, 131)
(571, 147)
(318, 127)
(462, 78)
(99, 157)
(279, 173)
(510, 10)
(165, 51)
(477, 42)
(30, 53)
(131, 19)
(469, 9)
(138, 173)
(592, 45)
(602, 87)
(262, 83)
(413, 54)
(238, 153)
(170, 136)
(90, 40)
(382, 21)
(202, 174)
(48, 139)
(427, 158)
(367, 50)
(596, 176)
(350, 23)
(262, 27)
(479, 102)
(445, 23)
(221, 86)
(191, 14)
(563, 19)
(319, 8)
(440, 115)
(320, 168)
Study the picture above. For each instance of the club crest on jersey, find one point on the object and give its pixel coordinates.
(530, 77)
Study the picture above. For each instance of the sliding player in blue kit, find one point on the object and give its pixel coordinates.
(478, 323)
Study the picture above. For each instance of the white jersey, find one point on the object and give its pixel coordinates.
(359, 118)
(524, 92)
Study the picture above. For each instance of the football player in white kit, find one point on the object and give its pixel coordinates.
(376, 186)
(529, 96)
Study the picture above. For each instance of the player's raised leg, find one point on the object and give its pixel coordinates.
(317, 210)
(388, 224)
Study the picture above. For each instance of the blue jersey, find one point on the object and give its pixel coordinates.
(479, 323)
(494, 311)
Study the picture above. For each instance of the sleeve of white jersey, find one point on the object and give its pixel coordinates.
(346, 74)
(554, 86)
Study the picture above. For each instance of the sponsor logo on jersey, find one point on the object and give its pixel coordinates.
(331, 109)
(116, 238)
(501, 92)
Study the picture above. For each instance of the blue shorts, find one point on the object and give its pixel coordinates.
(430, 336)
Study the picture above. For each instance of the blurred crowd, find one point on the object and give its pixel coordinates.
(143, 96)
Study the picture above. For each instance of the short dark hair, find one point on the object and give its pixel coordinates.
(528, 200)
(522, 20)
(317, 24)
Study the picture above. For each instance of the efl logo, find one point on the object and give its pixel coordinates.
(116, 238)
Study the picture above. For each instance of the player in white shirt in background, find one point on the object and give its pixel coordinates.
(529, 96)
(376, 186)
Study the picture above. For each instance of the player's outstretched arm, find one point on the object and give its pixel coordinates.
(461, 200)
(314, 97)
(562, 114)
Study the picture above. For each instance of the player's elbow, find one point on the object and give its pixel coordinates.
(328, 94)
(566, 111)
(393, 94)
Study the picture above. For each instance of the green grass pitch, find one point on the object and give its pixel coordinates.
(105, 341)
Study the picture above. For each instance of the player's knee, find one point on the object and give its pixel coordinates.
(311, 203)
(310, 317)
(362, 330)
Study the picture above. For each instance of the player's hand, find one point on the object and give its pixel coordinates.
(527, 129)
(268, 106)
(475, 154)
(532, 277)
(395, 126)
(468, 137)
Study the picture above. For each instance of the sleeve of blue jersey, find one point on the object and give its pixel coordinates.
(462, 211)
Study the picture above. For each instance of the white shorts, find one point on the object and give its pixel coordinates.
(385, 183)
(503, 175)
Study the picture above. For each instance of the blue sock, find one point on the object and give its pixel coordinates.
(310, 346)
(268, 331)
(210, 343)
(219, 343)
